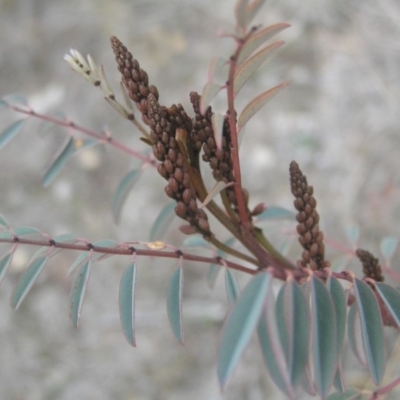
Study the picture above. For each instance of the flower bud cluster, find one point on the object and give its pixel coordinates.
(310, 237)
(164, 124)
(371, 266)
(134, 78)
(219, 159)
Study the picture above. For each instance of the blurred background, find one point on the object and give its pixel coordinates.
(339, 119)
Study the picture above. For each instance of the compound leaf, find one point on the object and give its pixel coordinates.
(247, 69)
(174, 304)
(259, 38)
(240, 325)
(232, 287)
(162, 222)
(121, 194)
(391, 298)
(26, 281)
(273, 354)
(7, 135)
(324, 334)
(371, 329)
(257, 103)
(127, 303)
(5, 262)
(78, 292)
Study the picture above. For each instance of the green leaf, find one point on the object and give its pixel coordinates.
(127, 302)
(196, 241)
(388, 246)
(252, 9)
(5, 262)
(324, 334)
(16, 100)
(244, 72)
(391, 298)
(10, 133)
(240, 325)
(257, 103)
(240, 13)
(78, 292)
(162, 222)
(339, 302)
(276, 213)
(273, 354)
(293, 323)
(78, 261)
(3, 221)
(174, 304)
(121, 194)
(338, 381)
(3, 104)
(351, 394)
(6, 235)
(26, 281)
(371, 329)
(212, 274)
(26, 230)
(232, 287)
(66, 238)
(259, 38)
(59, 162)
(354, 334)
(210, 90)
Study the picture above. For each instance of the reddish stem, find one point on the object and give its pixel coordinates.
(70, 124)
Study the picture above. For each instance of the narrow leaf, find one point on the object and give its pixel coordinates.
(78, 261)
(371, 329)
(196, 241)
(293, 325)
(59, 162)
(212, 274)
(218, 69)
(252, 9)
(391, 298)
(354, 335)
(217, 188)
(10, 132)
(338, 381)
(240, 13)
(257, 103)
(273, 354)
(127, 303)
(247, 69)
(162, 222)
(276, 213)
(3, 104)
(26, 230)
(121, 194)
(240, 325)
(174, 304)
(210, 90)
(324, 334)
(78, 293)
(388, 246)
(232, 287)
(5, 262)
(3, 221)
(339, 301)
(26, 281)
(351, 394)
(259, 38)
(66, 238)
(217, 121)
